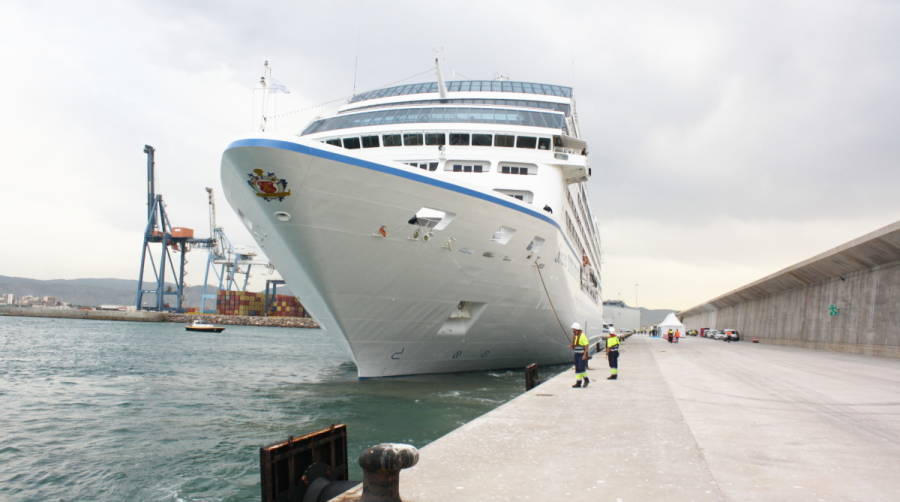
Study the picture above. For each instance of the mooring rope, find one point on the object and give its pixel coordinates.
(552, 307)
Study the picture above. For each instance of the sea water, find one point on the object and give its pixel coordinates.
(104, 410)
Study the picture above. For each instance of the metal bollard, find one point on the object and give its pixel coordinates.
(381, 465)
(531, 376)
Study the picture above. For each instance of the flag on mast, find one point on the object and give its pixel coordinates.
(276, 86)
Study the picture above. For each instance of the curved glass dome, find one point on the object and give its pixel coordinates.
(467, 86)
(439, 114)
(520, 103)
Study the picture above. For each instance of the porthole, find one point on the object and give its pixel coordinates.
(282, 216)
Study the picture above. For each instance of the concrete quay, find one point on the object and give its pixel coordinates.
(145, 316)
(701, 420)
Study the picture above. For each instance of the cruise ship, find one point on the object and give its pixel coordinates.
(433, 227)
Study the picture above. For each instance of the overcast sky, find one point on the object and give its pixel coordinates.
(728, 139)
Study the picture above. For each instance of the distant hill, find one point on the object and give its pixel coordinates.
(92, 292)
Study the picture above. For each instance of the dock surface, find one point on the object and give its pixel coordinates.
(701, 420)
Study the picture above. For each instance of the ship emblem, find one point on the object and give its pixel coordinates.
(267, 185)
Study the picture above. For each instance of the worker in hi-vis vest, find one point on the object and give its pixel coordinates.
(579, 347)
(612, 353)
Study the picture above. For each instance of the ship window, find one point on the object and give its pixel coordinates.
(459, 138)
(435, 139)
(370, 142)
(481, 140)
(469, 168)
(506, 168)
(526, 142)
(335, 141)
(560, 107)
(391, 140)
(412, 139)
(522, 195)
(440, 114)
(543, 143)
(467, 85)
(504, 140)
(425, 166)
(351, 143)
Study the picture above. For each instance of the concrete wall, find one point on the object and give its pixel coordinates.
(117, 315)
(868, 322)
(105, 315)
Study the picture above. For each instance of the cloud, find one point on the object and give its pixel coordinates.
(726, 139)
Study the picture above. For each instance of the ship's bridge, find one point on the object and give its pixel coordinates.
(443, 114)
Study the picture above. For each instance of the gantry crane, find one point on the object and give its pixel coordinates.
(227, 261)
(171, 239)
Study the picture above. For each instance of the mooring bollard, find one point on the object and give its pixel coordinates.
(531, 376)
(381, 465)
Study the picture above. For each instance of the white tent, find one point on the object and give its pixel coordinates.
(670, 322)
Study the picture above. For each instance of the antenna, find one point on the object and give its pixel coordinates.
(356, 63)
(264, 82)
(440, 78)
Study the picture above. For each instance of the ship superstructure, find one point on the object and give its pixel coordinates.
(433, 227)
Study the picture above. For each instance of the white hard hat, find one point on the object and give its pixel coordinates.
(577, 326)
(612, 330)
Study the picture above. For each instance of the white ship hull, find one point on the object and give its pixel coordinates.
(391, 297)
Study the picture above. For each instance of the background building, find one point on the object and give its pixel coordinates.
(846, 299)
(622, 316)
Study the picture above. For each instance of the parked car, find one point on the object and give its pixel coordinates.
(718, 335)
(732, 335)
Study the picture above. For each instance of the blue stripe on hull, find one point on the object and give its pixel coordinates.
(365, 164)
(287, 145)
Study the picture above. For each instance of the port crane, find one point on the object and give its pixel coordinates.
(159, 231)
(230, 264)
